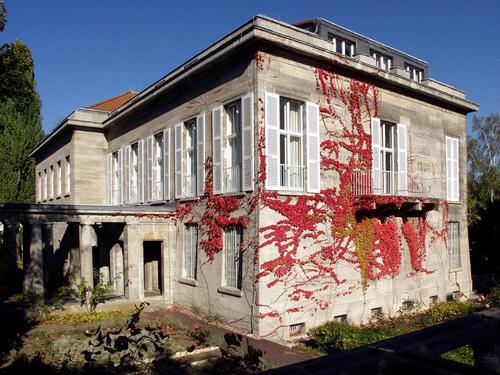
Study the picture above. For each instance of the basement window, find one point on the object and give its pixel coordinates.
(296, 329)
(433, 300)
(340, 318)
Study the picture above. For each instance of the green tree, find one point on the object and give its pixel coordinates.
(20, 124)
(3, 15)
(484, 197)
(17, 77)
(483, 163)
(21, 133)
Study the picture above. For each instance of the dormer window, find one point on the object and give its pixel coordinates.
(343, 46)
(416, 74)
(383, 61)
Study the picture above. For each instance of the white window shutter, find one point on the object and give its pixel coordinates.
(178, 159)
(313, 154)
(200, 154)
(120, 178)
(166, 164)
(149, 169)
(452, 190)
(126, 175)
(247, 143)
(217, 149)
(402, 160)
(376, 162)
(140, 170)
(110, 179)
(456, 189)
(272, 123)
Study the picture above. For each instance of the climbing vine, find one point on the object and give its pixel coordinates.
(313, 234)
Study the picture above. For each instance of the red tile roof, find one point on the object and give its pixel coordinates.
(109, 105)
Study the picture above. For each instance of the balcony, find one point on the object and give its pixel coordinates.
(417, 185)
(291, 177)
(232, 179)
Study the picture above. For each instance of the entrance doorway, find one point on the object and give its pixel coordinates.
(153, 277)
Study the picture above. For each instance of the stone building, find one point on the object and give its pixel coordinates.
(285, 176)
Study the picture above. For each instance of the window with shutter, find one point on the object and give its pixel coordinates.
(191, 170)
(247, 142)
(140, 180)
(313, 154)
(157, 167)
(134, 173)
(126, 174)
(109, 180)
(166, 164)
(272, 123)
(376, 163)
(402, 160)
(232, 166)
(217, 149)
(178, 160)
(291, 163)
(452, 169)
(149, 169)
(200, 154)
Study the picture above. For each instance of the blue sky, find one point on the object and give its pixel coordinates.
(89, 50)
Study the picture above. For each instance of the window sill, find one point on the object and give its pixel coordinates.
(453, 270)
(233, 194)
(186, 281)
(229, 291)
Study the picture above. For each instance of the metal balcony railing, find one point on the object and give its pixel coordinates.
(232, 179)
(417, 185)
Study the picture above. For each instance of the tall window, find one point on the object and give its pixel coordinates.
(134, 173)
(452, 169)
(158, 167)
(232, 181)
(44, 185)
(190, 184)
(383, 61)
(343, 46)
(454, 260)
(232, 256)
(51, 181)
(39, 187)
(387, 157)
(291, 146)
(59, 179)
(67, 171)
(416, 74)
(116, 186)
(190, 251)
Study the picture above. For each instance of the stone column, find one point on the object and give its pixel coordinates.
(33, 261)
(104, 255)
(86, 263)
(134, 262)
(10, 241)
(48, 253)
(118, 271)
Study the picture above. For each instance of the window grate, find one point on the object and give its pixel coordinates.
(296, 329)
